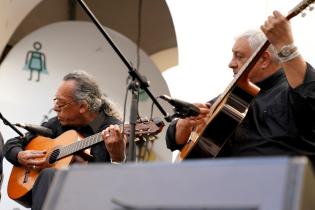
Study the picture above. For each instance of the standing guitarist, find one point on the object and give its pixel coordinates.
(80, 106)
(280, 118)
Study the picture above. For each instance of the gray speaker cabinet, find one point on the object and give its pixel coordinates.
(274, 183)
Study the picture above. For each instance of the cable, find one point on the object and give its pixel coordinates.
(124, 112)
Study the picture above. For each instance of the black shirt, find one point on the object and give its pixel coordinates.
(1, 162)
(98, 151)
(1, 153)
(280, 120)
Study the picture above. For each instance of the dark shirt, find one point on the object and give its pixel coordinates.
(280, 121)
(1, 153)
(98, 151)
(1, 161)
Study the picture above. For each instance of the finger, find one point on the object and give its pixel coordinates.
(115, 130)
(39, 161)
(36, 151)
(203, 114)
(36, 162)
(105, 133)
(204, 111)
(277, 14)
(37, 155)
(262, 27)
(109, 134)
(200, 105)
(26, 155)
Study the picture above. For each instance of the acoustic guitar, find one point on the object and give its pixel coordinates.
(60, 153)
(230, 108)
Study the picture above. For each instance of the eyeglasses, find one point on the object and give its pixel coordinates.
(62, 106)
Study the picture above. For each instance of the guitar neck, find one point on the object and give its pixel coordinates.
(78, 146)
(143, 128)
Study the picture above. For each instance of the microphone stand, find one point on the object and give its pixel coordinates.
(137, 81)
(134, 88)
(6, 122)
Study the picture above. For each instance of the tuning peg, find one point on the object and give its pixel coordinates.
(137, 139)
(303, 14)
(152, 138)
(311, 8)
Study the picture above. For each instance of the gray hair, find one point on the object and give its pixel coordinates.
(255, 39)
(87, 89)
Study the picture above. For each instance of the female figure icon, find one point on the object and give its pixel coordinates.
(36, 61)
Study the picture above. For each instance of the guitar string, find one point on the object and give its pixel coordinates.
(76, 146)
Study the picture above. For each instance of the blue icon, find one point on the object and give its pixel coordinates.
(36, 61)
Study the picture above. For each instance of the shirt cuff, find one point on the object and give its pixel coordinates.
(13, 155)
(118, 162)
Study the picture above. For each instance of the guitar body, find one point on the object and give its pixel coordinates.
(22, 179)
(207, 141)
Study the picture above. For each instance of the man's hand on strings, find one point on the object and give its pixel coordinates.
(115, 143)
(185, 126)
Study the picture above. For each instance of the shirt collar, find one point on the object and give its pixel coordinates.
(95, 126)
(271, 80)
(97, 123)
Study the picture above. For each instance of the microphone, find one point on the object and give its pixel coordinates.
(36, 129)
(182, 108)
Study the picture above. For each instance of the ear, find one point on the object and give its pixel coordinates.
(84, 107)
(265, 59)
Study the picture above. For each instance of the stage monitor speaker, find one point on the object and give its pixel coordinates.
(275, 183)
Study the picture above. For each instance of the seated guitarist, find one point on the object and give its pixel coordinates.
(79, 105)
(280, 119)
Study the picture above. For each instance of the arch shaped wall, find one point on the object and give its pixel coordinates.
(151, 22)
(12, 14)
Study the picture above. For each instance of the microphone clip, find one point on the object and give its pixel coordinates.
(181, 108)
(182, 113)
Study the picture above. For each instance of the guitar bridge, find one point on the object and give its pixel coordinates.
(26, 175)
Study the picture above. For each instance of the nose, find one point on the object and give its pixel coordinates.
(56, 108)
(232, 64)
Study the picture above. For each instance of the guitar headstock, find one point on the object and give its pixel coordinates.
(300, 8)
(146, 127)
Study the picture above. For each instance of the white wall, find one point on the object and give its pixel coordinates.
(205, 33)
